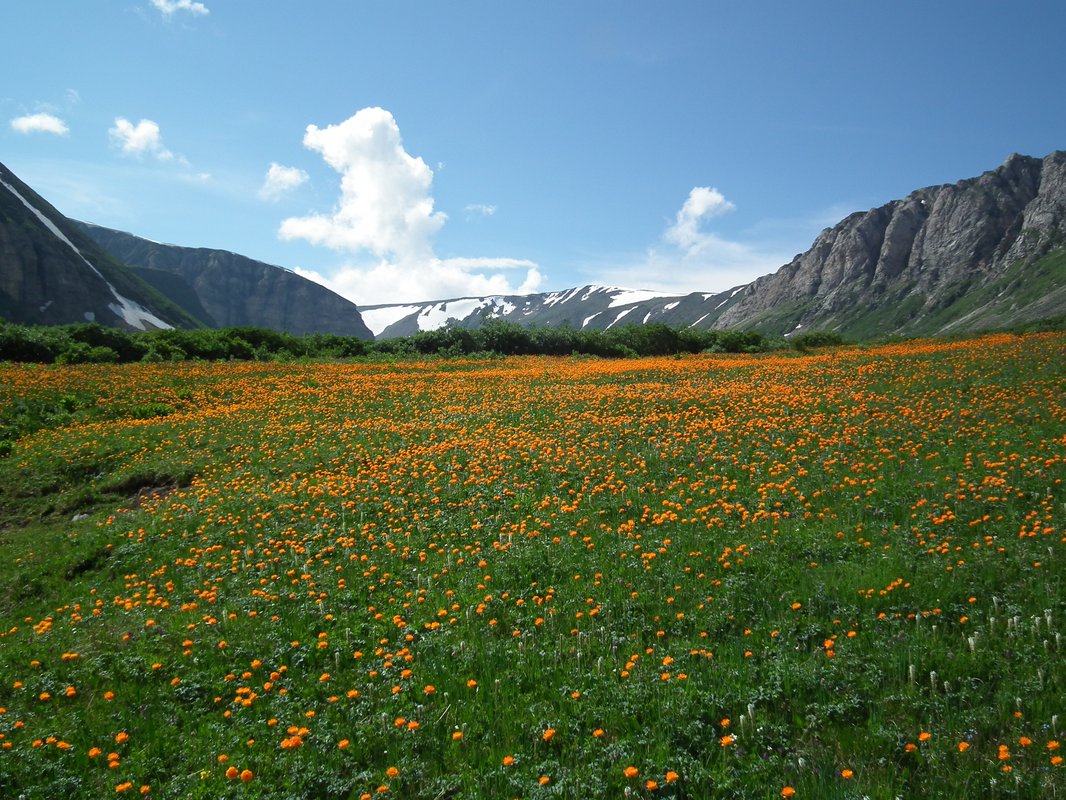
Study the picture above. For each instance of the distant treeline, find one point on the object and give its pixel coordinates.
(95, 343)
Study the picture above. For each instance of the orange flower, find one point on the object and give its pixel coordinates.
(963, 746)
(548, 735)
(232, 773)
(247, 775)
(727, 740)
(847, 774)
(343, 744)
(508, 760)
(630, 771)
(924, 736)
(788, 791)
(457, 735)
(392, 772)
(651, 785)
(671, 776)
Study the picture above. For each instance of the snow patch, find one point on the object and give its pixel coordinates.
(620, 315)
(437, 316)
(697, 322)
(625, 297)
(672, 306)
(378, 319)
(587, 320)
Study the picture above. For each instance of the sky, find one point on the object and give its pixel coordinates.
(410, 151)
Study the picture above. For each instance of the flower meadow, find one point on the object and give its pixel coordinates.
(836, 574)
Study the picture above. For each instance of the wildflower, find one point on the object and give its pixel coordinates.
(343, 744)
(392, 772)
(651, 785)
(457, 736)
(232, 773)
(924, 736)
(247, 775)
(727, 740)
(847, 774)
(671, 776)
(508, 760)
(963, 746)
(630, 771)
(788, 791)
(548, 735)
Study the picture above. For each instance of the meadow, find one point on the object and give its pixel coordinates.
(836, 574)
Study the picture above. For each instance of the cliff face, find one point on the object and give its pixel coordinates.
(904, 267)
(235, 290)
(51, 273)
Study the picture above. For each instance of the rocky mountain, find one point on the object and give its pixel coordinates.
(52, 273)
(981, 253)
(226, 290)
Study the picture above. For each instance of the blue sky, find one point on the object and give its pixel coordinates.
(403, 151)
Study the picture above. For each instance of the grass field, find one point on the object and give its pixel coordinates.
(830, 575)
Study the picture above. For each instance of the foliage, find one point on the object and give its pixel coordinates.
(93, 343)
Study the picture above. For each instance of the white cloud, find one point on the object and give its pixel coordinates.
(385, 212)
(40, 123)
(691, 259)
(437, 279)
(280, 180)
(479, 210)
(169, 7)
(139, 139)
(703, 203)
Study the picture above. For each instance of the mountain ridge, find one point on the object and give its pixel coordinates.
(911, 266)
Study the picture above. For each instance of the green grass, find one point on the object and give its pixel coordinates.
(823, 556)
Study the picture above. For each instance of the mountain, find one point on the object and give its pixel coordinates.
(229, 290)
(591, 307)
(52, 273)
(981, 253)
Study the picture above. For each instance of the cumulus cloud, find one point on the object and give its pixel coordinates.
(385, 215)
(280, 180)
(690, 258)
(170, 7)
(140, 139)
(40, 123)
(703, 203)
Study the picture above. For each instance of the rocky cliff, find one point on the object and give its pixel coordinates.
(233, 290)
(946, 258)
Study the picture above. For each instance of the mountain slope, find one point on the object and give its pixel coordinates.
(51, 273)
(230, 290)
(920, 265)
